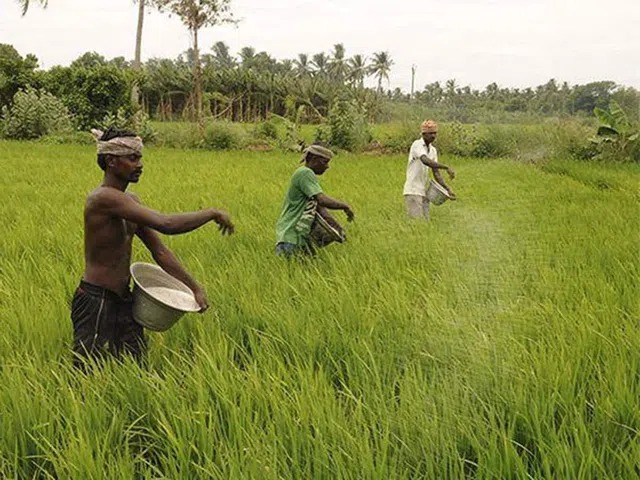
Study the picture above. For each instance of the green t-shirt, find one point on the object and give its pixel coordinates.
(299, 208)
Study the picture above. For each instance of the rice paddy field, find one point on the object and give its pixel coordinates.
(499, 341)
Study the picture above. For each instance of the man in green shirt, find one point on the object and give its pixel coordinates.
(302, 202)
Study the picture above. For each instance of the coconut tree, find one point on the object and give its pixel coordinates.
(247, 57)
(302, 66)
(451, 88)
(380, 67)
(263, 63)
(320, 63)
(222, 57)
(357, 70)
(337, 64)
(24, 5)
(197, 14)
(285, 67)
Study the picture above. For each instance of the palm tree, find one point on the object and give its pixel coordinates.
(285, 67)
(222, 57)
(380, 67)
(24, 5)
(337, 64)
(247, 57)
(302, 65)
(451, 87)
(263, 62)
(320, 63)
(357, 70)
(432, 93)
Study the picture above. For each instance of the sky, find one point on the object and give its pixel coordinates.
(515, 43)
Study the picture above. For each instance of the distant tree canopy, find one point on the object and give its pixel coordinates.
(16, 72)
(252, 84)
(550, 99)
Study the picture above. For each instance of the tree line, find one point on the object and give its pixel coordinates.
(250, 85)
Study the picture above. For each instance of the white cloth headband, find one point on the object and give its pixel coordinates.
(118, 146)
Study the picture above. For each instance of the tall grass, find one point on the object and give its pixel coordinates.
(498, 341)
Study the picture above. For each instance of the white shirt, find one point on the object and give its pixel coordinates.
(416, 182)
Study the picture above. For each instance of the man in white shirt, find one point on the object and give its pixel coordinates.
(423, 155)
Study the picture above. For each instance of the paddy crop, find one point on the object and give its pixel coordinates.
(501, 340)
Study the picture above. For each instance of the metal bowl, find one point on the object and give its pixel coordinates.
(159, 300)
(436, 193)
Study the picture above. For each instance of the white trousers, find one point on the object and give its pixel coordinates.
(417, 206)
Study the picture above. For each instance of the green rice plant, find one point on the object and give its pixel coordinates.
(497, 341)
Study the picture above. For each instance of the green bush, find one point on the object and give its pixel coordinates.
(267, 130)
(397, 138)
(322, 135)
(90, 94)
(527, 142)
(177, 134)
(224, 136)
(570, 139)
(284, 132)
(495, 141)
(290, 140)
(471, 141)
(34, 114)
(348, 126)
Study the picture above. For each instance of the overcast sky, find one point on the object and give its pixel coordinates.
(516, 43)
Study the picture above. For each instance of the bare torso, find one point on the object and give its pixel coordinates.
(107, 246)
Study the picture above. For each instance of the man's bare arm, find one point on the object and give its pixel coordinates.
(438, 177)
(167, 260)
(333, 204)
(435, 166)
(125, 206)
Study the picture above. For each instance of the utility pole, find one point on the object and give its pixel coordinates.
(413, 78)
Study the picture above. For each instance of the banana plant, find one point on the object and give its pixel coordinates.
(615, 132)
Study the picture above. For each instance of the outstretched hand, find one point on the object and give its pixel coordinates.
(201, 299)
(349, 213)
(225, 225)
(451, 173)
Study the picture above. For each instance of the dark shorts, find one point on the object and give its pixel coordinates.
(103, 323)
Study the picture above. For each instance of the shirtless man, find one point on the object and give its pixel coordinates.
(101, 309)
